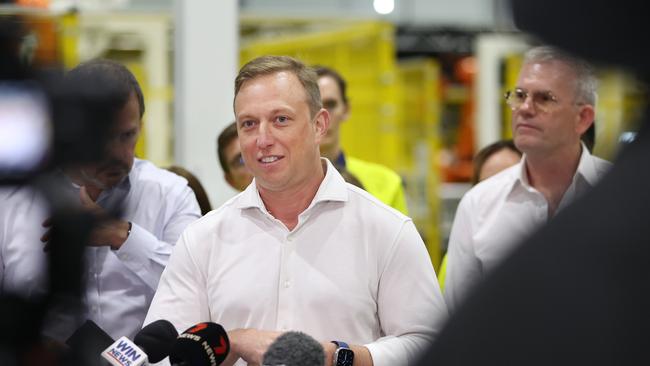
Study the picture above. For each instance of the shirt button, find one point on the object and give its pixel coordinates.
(287, 283)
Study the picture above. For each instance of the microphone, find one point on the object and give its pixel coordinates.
(201, 345)
(123, 352)
(87, 343)
(294, 349)
(156, 339)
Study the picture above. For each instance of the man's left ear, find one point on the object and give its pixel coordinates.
(585, 118)
(321, 123)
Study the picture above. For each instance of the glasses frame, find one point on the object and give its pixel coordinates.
(514, 104)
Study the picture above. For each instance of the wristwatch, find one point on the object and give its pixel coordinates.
(343, 356)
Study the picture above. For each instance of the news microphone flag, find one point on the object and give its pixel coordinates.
(123, 352)
(204, 344)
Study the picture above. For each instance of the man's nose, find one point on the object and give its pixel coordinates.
(265, 136)
(527, 105)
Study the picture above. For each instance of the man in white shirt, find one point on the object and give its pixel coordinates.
(300, 249)
(552, 106)
(125, 256)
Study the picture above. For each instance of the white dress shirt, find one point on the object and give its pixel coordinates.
(119, 283)
(495, 215)
(353, 269)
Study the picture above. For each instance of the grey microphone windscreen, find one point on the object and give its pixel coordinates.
(294, 349)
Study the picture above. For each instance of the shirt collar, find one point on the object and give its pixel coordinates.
(586, 170)
(332, 188)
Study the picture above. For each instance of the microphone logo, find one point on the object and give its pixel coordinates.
(222, 348)
(197, 328)
(203, 344)
(124, 353)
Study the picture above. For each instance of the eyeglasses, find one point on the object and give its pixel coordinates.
(544, 101)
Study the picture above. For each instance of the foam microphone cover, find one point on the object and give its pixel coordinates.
(201, 345)
(156, 339)
(294, 349)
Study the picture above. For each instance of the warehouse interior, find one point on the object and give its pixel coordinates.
(426, 79)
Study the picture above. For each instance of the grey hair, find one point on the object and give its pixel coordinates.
(585, 78)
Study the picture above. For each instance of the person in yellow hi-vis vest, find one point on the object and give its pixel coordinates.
(379, 180)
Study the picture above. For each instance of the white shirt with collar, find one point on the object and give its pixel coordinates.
(499, 212)
(119, 283)
(353, 269)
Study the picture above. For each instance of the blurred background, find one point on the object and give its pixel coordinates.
(426, 79)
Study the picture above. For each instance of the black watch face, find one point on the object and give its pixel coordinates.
(345, 357)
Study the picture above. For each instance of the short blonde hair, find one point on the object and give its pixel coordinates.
(268, 65)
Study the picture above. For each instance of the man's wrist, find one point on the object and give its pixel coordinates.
(123, 231)
(329, 349)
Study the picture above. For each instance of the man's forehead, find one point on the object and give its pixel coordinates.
(269, 89)
(547, 75)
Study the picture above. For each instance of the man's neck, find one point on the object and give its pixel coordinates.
(331, 153)
(287, 205)
(552, 174)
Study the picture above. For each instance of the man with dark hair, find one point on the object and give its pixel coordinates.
(552, 106)
(125, 254)
(300, 249)
(377, 179)
(232, 163)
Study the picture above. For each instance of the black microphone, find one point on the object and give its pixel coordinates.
(87, 343)
(201, 345)
(156, 339)
(294, 349)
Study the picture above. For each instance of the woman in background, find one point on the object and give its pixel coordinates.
(489, 161)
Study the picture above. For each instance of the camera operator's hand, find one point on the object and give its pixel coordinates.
(107, 231)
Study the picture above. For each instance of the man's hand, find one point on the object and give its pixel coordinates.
(249, 344)
(107, 231)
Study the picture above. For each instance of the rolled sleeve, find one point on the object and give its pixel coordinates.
(411, 308)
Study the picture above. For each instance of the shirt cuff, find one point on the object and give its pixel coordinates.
(136, 251)
(379, 353)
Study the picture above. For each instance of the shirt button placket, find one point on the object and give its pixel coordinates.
(285, 290)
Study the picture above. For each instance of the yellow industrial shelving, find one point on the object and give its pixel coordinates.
(421, 104)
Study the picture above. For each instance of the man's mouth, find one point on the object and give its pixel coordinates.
(526, 125)
(269, 159)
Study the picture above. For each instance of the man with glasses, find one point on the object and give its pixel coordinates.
(553, 105)
(232, 163)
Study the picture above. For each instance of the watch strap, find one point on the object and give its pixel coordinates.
(341, 344)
